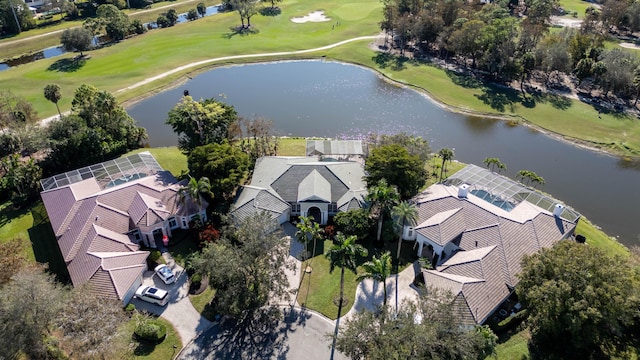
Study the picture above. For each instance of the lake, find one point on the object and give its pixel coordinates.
(329, 99)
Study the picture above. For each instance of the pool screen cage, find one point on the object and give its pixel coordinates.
(109, 173)
(504, 192)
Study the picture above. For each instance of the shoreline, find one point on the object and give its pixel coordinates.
(583, 144)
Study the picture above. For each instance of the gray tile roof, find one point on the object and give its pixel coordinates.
(293, 179)
(334, 147)
(491, 242)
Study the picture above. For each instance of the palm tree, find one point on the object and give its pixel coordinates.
(308, 230)
(404, 214)
(193, 190)
(378, 269)
(382, 197)
(493, 163)
(446, 155)
(343, 254)
(53, 94)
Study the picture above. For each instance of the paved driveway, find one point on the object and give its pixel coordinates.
(300, 335)
(179, 310)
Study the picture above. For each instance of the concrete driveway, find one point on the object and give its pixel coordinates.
(179, 311)
(300, 335)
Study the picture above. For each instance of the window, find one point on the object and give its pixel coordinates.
(184, 223)
(173, 223)
(333, 207)
(136, 235)
(295, 207)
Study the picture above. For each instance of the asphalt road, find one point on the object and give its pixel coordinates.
(300, 335)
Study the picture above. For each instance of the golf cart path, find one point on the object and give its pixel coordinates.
(246, 56)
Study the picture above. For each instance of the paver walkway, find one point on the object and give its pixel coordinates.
(370, 294)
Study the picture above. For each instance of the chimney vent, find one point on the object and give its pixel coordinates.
(557, 210)
(463, 190)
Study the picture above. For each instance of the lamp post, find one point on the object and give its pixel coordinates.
(15, 16)
(174, 350)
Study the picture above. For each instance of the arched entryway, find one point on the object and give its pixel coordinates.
(315, 213)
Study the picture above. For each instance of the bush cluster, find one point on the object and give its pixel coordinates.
(151, 330)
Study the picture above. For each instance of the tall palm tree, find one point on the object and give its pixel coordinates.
(445, 154)
(308, 231)
(382, 196)
(53, 94)
(343, 254)
(193, 190)
(404, 214)
(378, 269)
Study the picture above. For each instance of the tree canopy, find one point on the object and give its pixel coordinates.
(201, 122)
(246, 266)
(394, 163)
(98, 129)
(423, 330)
(224, 164)
(76, 39)
(582, 302)
(354, 222)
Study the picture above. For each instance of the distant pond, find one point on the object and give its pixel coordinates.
(329, 99)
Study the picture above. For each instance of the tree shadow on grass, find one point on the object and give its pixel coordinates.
(45, 246)
(464, 80)
(68, 64)
(270, 11)
(558, 101)
(240, 30)
(499, 99)
(386, 60)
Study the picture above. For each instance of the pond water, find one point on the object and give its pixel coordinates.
(59, 50)
(315, 98)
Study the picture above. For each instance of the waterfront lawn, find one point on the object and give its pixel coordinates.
(292, 146)
(576, 120)
(170, 158)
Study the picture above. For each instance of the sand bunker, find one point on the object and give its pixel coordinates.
(316, 16)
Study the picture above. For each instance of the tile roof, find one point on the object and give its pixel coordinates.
(491, 240)
(294, 179)
(91, 222)
(334, 147)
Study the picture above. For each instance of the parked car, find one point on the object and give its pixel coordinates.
(165, 274)
(153, 295)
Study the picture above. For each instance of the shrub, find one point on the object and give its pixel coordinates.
(196, 278)
(162, 21)
(512, 321)
(151, 330)
(130, 308)
(155, 256)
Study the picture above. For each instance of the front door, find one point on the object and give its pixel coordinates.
(315, 213)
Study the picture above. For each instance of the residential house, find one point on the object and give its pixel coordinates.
(343, 150)
(476, 227)
(104, 214)
(307, 186)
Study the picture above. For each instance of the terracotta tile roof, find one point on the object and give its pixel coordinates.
(92, 222)
(491, 243)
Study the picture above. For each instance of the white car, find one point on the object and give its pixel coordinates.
(165, 274)
(152, 295)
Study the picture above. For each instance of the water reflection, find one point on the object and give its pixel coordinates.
(314, 98)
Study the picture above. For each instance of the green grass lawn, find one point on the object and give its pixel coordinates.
(292, 146)
(319, 288)
(201, 303)
(578, 6)
(170, 158)
(146, 350)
